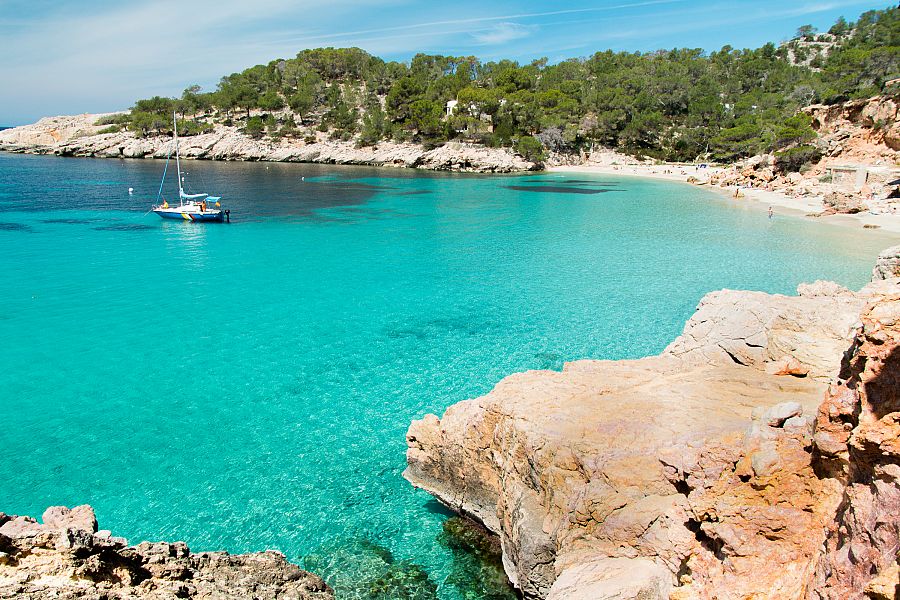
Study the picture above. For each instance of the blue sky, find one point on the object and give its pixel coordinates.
(72, 57)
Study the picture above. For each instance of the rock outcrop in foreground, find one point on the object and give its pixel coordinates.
(66, 557)
(713, 470)
(887, 265)
(78, 136)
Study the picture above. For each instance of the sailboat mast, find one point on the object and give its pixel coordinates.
(177, 160)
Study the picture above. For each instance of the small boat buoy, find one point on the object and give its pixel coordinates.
(303, 179)
(130, 191)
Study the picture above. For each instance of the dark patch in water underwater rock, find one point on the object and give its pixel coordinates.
(16, 227)
(69, 221)
(463, 325)
(572, 182)
(361, 569)
(124, 227)
(477, 563)
(556, 189)
(431, 505)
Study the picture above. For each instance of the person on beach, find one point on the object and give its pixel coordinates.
(771, 212)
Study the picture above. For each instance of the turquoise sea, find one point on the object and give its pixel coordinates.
(248, 386)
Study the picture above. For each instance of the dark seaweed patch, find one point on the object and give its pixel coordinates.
(362, 568)
(124, 227)
(70, 221)
(556, 189)
(570, 181)
(15, 227)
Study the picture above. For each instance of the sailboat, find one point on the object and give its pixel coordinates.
(191, 207)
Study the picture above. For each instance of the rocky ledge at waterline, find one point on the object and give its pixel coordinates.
(713, 470)
(66, 557)
(78, 136)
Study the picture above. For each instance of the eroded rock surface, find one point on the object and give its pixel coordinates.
(806, 332)
(697, 473)
(887, 265)
(858, 437)
(66, 557)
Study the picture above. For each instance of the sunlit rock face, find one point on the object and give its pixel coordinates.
(858, 439)
(707, 471)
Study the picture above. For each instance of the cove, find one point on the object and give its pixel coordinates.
(248, 386)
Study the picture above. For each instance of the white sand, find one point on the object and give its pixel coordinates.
(763, 198)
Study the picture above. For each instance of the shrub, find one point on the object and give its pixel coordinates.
(117, 119)
(530, 148)
(191, 127)
(794, 159)
(111, 129)
(795, 130)
(254, 127)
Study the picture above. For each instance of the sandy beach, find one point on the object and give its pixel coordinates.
(781, 203)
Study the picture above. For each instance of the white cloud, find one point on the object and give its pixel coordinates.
(101, 58)
(502, 33)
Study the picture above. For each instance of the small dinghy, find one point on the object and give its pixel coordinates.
(191, 207)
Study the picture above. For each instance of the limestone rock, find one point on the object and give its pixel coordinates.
(892, 136)
(788, 365)
(808, 332)
(858, 131)
(594, 461)
(777, 415)
(612, 579)
(886, 586)
(818, 289)
(50, 131)
(81, 517)
(761, 527)
(842, 202)
(887, 265)
(77, 136)
(641, 478)
(65, 558)
(858, 431)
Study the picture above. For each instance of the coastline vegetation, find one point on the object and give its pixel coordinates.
(679, 104)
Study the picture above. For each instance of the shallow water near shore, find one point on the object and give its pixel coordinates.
(248, 386)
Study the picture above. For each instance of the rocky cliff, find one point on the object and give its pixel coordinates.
(67, 557)
(859, 138)
(704, 472)
(858, 131)
(79, 136)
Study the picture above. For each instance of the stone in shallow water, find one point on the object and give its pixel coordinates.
(477, 570)
(360, 569)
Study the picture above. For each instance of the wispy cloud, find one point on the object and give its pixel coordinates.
(502, 33)
(72, 57)
(488, 18)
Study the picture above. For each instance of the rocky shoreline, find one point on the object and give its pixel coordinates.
(79, 136)
(67, 557)
(713, 470)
